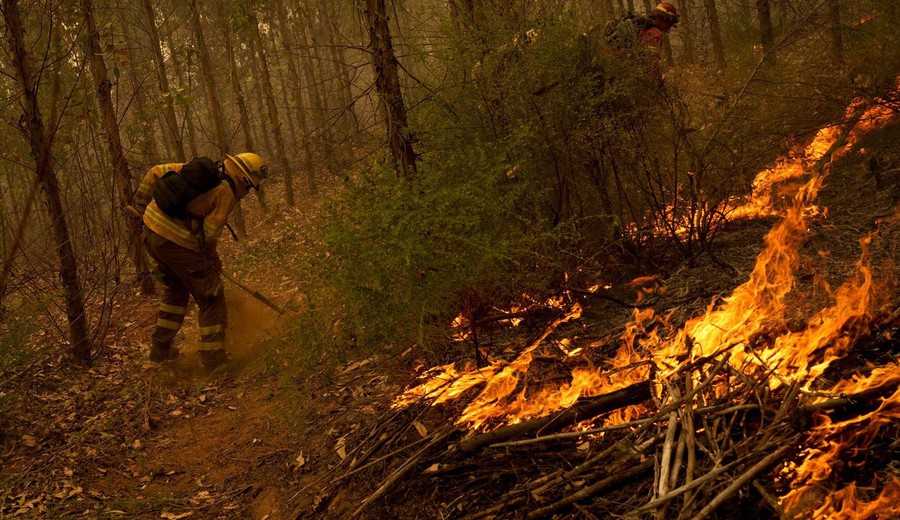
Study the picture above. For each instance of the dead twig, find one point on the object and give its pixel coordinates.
(410, 463)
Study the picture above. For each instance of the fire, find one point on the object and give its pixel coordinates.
(759, 305)
(832, 444)
(761, 202)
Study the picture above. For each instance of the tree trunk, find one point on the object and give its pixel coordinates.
(114, 140)
(387, 84)
(345, 105)
(163, 79)
(41, 152)
(834, 25)
(766, 32)
(715, 33)
(317, 64)
(273, 112)
(209, 81)
(287, 41)
(687, 31)
(238, 91)
(235, 78)
(188, 118)
(312, 90)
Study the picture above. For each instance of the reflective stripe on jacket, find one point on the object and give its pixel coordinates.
(210, 209)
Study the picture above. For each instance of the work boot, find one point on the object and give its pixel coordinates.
(214, 360)
(161, 354)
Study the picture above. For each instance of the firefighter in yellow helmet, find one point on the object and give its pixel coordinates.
(185, 250)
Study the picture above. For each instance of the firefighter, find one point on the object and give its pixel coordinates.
(185, 250)
(647, 31)
(661, 20)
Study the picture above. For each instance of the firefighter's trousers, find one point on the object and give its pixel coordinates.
(187, 273)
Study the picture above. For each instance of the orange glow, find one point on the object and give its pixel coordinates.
(650, 348)
(761, 202)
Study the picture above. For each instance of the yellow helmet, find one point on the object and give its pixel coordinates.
(247, 168)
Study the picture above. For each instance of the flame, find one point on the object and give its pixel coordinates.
(755, 307)
(761, 202)
(833, 444)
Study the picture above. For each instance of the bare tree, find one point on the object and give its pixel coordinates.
(209, 80)
(715, 31)
(163, 78)
(287, 41)
(41, 151)
(117, 155)
(387, 83)
(766, 32)
(266, 79)
(834, 25)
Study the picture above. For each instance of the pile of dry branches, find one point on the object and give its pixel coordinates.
(713, 439)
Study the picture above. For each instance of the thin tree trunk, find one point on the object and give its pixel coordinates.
(283, 79)
(766, 32)
(162, 77)
(238, 91)
(235, 78)
(687, 31)
(209, 80)
(273, 112)
(667, 50)
(264, 115)
(312, 91)
(834, 25)
(715, 33)
(341, 74)
(114, 140)
(322, 83)
(287, 42)
(41, 144)
(387, 84)
(188, 117)
(145, 117)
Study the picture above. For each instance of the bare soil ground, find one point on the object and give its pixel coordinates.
(129, 439)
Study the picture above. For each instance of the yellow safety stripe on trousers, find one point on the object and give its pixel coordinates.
(167, 324)
(212, 345)
(172, 309)
(212, 329)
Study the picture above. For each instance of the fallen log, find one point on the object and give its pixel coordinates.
(583, 410)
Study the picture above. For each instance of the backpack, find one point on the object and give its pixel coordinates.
(175, 190)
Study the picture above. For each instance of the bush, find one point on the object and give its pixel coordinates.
(406, 255)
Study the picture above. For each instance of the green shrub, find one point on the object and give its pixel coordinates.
(405, 255)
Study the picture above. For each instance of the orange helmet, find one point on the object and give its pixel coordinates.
(666, 12)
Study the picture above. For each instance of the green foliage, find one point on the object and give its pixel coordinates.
(405, 255)
(15, 350)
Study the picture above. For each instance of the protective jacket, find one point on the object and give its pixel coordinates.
(209, 212)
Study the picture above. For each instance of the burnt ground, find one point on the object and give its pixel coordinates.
(127, 439)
